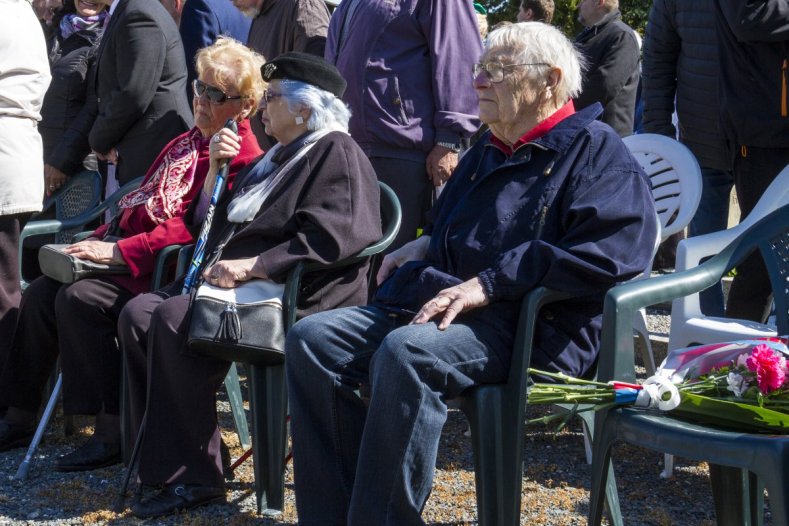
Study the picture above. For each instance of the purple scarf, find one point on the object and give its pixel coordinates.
(72, 22)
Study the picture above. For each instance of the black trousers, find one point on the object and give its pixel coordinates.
(182, 438)
(750, 296)
(77, 321)
(10, 291)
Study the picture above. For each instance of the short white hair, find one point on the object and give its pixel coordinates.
(536, 42)
(327, 112)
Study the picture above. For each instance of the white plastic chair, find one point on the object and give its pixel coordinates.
(689, 326)
(676, 188)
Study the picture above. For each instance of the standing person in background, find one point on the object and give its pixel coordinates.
(280, 26)
(612, 56)
(141, 87)
(681, 64)
(200, 22)
(407, 65)
(536, 11)
(24, 78)
(754, 111)
(72, 54)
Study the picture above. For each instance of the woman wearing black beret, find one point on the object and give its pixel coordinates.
(312, 197)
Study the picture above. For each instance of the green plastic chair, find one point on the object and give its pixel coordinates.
(81, 192)
(739, 462)
(496, 414)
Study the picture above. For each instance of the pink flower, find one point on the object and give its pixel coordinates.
(770, 368)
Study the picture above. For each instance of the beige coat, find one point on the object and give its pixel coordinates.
(24, 78)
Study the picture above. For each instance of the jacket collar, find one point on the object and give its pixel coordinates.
(594, 29)
(563, 135)
(267, 4)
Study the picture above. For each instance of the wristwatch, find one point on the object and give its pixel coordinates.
(455, 147)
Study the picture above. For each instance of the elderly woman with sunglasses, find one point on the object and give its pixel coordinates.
(80, 319)
(548, 197)
(312, 198)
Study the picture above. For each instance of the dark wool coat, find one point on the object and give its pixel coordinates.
(571, 210)
(611, 78)
(325, 209)
(63, 132)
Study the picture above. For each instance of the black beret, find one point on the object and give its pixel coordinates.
(306, 68)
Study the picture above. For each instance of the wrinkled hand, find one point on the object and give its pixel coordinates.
(53, 179)
(230, 272)
(98, 251)
(452, 301)
(411, 251)
(440, 164)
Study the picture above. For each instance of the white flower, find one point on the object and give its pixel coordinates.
(737, 384)
(741, 359)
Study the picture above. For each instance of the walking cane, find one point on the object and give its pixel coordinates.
(189, 281)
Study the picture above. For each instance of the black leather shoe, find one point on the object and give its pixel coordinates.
(15, 435)
(177, 497)
(93, 454)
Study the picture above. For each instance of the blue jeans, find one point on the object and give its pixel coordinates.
(712, 216)
(359, 465)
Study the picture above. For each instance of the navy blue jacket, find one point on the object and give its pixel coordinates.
(202, 21)
(571, 211)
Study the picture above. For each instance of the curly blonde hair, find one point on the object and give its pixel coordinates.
(233, 65)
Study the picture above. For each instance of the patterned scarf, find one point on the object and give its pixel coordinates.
(171, 180)
(72, 23)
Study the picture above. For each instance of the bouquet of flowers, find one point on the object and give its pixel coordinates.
(741, 385)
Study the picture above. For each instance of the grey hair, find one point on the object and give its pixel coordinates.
(536, 42)
(327, 112)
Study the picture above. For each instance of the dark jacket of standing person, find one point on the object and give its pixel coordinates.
(754, 86)
(611, 78)
(681, 63)
(73, 61)
(140, 87)
(202, 21)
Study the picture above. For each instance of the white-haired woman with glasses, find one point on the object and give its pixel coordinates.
(312, 198)
(548, 197)
(79, 320)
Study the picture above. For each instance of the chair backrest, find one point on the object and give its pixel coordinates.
(691, 251)
(770, 235)
(675, 176)
(391, 216)
(81, 192)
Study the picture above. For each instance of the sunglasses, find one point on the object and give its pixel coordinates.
(268, 95)
(214, 95)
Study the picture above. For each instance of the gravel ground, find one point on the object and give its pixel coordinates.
(555, 484)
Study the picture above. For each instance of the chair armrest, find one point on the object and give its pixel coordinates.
(162, 258)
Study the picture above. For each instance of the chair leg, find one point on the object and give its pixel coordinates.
(498, 458)
(269, 407)
(602, 476)
(233, 388)
(738, 496)
(24, 467)
(777, 482)
(611, 494)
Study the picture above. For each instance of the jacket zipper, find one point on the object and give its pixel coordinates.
(783, 89)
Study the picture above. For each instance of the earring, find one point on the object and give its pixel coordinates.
(299, 119)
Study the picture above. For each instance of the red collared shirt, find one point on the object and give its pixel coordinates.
(536, 132)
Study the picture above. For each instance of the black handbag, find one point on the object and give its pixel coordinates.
(242, 324)
(66, 268)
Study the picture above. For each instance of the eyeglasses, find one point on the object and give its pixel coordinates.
(268, 95)
(214, 95)
(494, 71)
